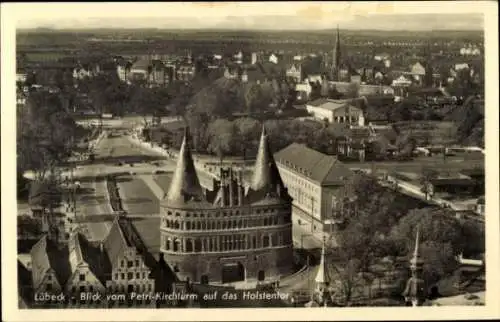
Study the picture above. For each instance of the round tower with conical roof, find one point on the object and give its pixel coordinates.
(236, 233)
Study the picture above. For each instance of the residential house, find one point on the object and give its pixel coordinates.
(89, 271)
(354, 143)
(336, 111)
(140, 70)
(157, 74)
(295, 72)
(186, 72)
(86, 70)
(318, 184)
(50, 270)
(128, 270)
(273, 58)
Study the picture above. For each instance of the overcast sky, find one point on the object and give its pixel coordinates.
(253, 15)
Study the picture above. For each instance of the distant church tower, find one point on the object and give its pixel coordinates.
(336, 58)
(415, 292)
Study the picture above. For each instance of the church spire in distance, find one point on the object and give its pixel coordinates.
(336, 57)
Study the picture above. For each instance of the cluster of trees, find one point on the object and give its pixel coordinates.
(240, 137)
(46, 132)
(385, 224)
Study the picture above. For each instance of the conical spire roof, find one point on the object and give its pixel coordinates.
(185, 185)
(321, 277)
(266, 176)
(415, 260)
(336, 50)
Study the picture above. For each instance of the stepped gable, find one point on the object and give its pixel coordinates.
(185, 189)
(266, 182)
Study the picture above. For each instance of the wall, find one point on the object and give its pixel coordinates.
(301, 189)
(260, 238)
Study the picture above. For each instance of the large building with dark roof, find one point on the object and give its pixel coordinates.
(317, 183)
(236, 235)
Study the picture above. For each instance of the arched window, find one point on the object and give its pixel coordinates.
(189, 246)
(229, 224)
(224, 224)
(188, 225)
(198, 225)
(218, 225)
(177, 225)
(265, 241)
(197, 245)
(240, 224)
(168, 244)
(177, 245)
(265, 221)
(274, 240)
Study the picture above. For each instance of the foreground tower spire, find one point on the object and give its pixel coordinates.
(415, 292)
(185, 185)
(321, 279)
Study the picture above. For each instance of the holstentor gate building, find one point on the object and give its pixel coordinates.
(238, 233)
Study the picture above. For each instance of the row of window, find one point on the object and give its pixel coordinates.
(224, 213)
(293, 178)
(130, 276)
(226, 224)
(130, 263)
(226, 242)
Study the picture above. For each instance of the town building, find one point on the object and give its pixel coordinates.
(88, 267)
(120, 264)
(336, 111)
(123, 68)
(236, 235)
(50, 269)
(318, 184)
(140, 70)
(128, 270)
(295, 72)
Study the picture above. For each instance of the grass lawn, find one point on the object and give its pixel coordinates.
(137, 197)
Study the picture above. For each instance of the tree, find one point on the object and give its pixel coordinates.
(406, 144)
(221, 133)
(440, 236)
(28, 227)
(247, 135)
(425, 180)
